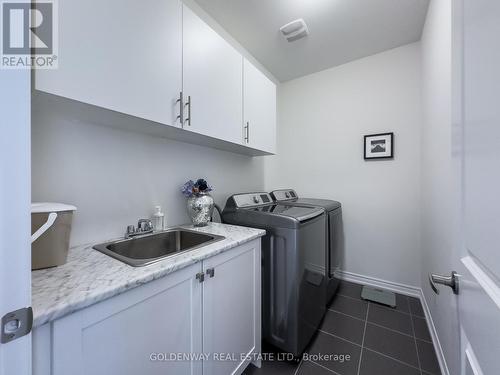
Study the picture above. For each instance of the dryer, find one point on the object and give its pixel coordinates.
(335, 232)
(293, 266)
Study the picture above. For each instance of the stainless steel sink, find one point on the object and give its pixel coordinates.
(150, 248)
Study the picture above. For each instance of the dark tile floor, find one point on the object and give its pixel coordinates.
(379, 340)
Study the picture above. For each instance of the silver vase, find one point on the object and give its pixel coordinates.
(200, 208)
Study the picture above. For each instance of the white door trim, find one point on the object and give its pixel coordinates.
(482, 277)
(15, 217)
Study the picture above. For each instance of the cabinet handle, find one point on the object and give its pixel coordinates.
(180, 116)
(188, 104)
(200, 277)
(211, 272)
(247, 132)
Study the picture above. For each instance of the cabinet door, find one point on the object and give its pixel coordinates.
(259, 108)
(231, 309)
(122, 55)
(130, 334)
(212, 78)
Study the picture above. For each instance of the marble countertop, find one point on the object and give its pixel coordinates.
(90, 276)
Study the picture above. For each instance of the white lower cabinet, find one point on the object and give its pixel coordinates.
(231, 310)
(155, 328)
(119, 336)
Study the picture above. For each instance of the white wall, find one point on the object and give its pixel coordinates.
(115, 177)
(438, 200)
(322, 120)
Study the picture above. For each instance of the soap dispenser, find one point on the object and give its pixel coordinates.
(158, 219)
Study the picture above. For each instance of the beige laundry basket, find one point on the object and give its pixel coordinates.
(50, 228)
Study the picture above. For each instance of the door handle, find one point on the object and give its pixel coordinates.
(451, 281)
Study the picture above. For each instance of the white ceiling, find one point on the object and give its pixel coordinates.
(340, 30)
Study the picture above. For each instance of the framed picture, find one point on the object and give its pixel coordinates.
(379, 146)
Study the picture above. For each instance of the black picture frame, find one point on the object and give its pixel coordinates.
(384, 153)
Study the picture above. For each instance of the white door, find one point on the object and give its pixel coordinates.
(476, 33)
(15, 217)
(259, 109)
(123, 55)
(231, 309)
(212, 81)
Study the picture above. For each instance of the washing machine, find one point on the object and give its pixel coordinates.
(293, 266)
(335, 233)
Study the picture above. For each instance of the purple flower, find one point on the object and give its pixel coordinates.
(191, 188)
(188, 189)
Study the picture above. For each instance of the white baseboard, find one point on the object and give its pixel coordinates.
(408, 290)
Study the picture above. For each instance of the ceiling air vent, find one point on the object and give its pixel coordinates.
(294, 30)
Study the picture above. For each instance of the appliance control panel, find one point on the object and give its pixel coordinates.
(284, 195)
(252, 199)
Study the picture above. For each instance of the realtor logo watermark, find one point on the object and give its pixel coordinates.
(29, 35)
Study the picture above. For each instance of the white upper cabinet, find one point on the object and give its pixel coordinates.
(121, 55)
(259, 109)
(127, 57)
(212, 81)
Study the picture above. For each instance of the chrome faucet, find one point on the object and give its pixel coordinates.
(144, 226)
